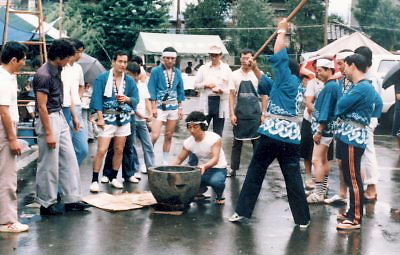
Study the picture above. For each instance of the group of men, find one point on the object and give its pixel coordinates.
(124, 100)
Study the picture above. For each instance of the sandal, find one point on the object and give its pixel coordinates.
(220, 201)
(368, 199)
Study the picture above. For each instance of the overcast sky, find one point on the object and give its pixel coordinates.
(340, 7)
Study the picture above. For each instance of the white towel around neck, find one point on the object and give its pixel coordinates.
(110, 83)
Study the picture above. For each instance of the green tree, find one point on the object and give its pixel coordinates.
(309, 35)
(382, 22)
(111, 25)
(207, 14)
(252, 14)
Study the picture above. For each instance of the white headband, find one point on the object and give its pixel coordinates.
(197, 122)
(170, 54)
(323, 62)
(343, 55)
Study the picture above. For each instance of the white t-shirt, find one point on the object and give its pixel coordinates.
(8, 92)
(72, 78)
(143, 95)
(239, 76)
(314, 87)
(203, 149)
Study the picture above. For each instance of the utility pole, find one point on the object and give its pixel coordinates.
(178, 14)
(326, 23)
(61, 26)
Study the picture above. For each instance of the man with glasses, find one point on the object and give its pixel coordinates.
(214, 80)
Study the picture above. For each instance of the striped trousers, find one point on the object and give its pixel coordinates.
(351, 161)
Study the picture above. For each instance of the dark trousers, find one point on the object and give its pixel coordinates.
(130, 159)
(237, 151)
(287, 154)
(351, 161)
(218, 123)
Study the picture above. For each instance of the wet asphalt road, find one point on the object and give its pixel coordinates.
(204, 229)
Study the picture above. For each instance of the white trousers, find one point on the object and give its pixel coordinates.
(369, 165)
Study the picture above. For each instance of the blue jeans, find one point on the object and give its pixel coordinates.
(215, 178)
(142, 132)
(288, 156)
(80, 137)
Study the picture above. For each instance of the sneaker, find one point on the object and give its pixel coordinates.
(138, 176)
(336, 199)
(117, 184)
(236, 218)
(94, 187)
(304, 226)
(342, 217)
(310, 184)
(220, 201)
(15, 227)
(314, 198)
(132, 179)
(143, 170)
(348, 225)
(104, 179)
(231, 173)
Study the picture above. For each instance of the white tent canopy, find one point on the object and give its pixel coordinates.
(155, 43)
(352, 42)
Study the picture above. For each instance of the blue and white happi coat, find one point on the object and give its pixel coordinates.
(167, 91)
(325, 107)
(286, 95)
(354, 110)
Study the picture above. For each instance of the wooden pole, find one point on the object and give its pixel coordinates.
(289, 18)
(61, 27)
(6, 21)
(326, 23)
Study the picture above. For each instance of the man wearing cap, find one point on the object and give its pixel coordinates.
(166, 93)
(214, 80)
(323, 121)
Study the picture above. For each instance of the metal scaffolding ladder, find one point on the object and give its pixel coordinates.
(42, 36)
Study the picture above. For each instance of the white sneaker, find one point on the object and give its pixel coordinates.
(314, 198)
(336, 199)
(304, 226)
(117, 184)
(15, 227)
(143, 169)
(310, 184)
(104, 179)
(94, 187)
(138, 176)
(236, 218)
(133, 179)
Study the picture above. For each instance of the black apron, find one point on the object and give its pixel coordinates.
(248, 112)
